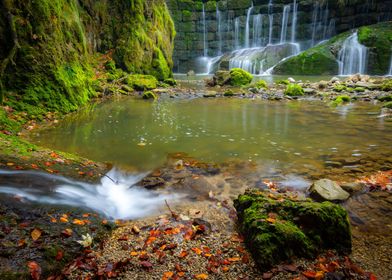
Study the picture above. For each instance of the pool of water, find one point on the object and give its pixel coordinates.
(135, 133)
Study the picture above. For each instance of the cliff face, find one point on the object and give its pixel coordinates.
(210, 28)
(48, 47)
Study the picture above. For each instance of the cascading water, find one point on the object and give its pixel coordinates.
(352, 57)
(257, 30)
(205, 45)
(285, 19)
(117, 196)
(294, 21)
(271, 22)
(247, 26)
(237, 33)
(390, 68)
(219, 21)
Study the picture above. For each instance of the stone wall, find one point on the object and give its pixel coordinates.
(315, 21)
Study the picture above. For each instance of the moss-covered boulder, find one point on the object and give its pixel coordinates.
(294, 90)
(142, 82)
(277, 228)
(240, 77)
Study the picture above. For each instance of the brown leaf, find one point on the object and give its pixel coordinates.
(146, 264)
(59, 255)
(35, 234)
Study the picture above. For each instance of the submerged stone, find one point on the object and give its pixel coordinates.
(326, 189)
(279, 228)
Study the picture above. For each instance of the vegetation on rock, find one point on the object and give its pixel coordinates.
(294, 90)
(142, 82)
(387, 85)
(240, 77)
(278, 228)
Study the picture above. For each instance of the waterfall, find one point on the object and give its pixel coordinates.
(205, 46)
(237, 33)
(247, 27)
(257, 30)
(271, 21)
(285, 19)
(218, 19)
(352, 57)
(314, 22)
(230, 18)
(294, 21)
(321, 28)
(390, 67)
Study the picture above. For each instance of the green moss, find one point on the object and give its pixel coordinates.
(340, 100)
(170, 82)
(378, 39)
(240, 77)
(228, 93)
(294, 90)
(7, 124)
(388, 105)
(142, 82)
(149, 95)
(339, 87)
(387, 85)
(386, 98)
(277, 229)
(282, 82)
(261, 84)
(359, 89)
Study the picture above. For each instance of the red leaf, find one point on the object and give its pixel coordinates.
(60, 255)
(146, 264)
(35, 270)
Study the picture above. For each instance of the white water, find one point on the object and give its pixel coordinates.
(390, 68)
(285, 20)
(237, 33)
(219, 21)
(205, 44)
(271, 21)
(247, 26)
(257, 30)
(120, 199)
(352, 57)
(294, 22)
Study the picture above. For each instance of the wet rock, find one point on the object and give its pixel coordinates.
(335, 164)
(353, 187)
(278, 228)
(326, 189)
(334, 80)
(209, 94)
(152, 182)
(291, 80)
(221, 77)
(309, 91)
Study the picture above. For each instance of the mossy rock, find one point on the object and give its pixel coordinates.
(340, 100)
(170, 82)
(149, 95)
(261, 84)
(339, 87)
(142, 82)
(282, 82)
(387, 85)
(228, 93)
(294, 90)
(277, 229)
(386, 98)
(240, 77)
(388, 105)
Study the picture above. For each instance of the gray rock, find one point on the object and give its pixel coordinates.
(309, 91)
(326, 189)
(291, 80)
(334, 80)
(353, 187)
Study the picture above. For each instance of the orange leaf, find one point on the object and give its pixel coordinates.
(34, 166)
(35, 270)
(183, 254)
(133, 253)
(67, 232)
(167, 275)
(309, 274)
(188, 234)
(225, 268)
(234, 259)
(63, 220)
(197, 250)
(21, 243)
(201, 276)
(181, 273)
(78, 222)
(35, 234)
(271, 220)
(150, 240)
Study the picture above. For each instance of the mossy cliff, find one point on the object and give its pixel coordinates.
(49, 48)
(279, 228)
(322, 59)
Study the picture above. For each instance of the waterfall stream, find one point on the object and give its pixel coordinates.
(352, 57)
(247, 26)
(294, 21)
(390, 67)
(285, 19)
(205, 46)
(219, 21)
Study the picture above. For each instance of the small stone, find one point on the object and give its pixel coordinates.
(309, 91)
(291, 80)
(353, 187)
(326, 189)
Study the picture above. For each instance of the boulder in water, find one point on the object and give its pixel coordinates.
(326, 189)
(277, 228)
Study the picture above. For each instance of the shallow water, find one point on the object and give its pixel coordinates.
(293, 135)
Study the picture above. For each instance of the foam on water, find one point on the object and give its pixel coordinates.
(117, 195)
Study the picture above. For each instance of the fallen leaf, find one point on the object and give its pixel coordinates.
(133, 253)
(197, 251)
(78, 222)
(201, 276)
(86, 241)
(59, 255)
(167, 275)
(35, 234)
(35, 270)
(309, 274)
(67, 232)
(236, 259)
(183, 254)
(146, 264)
